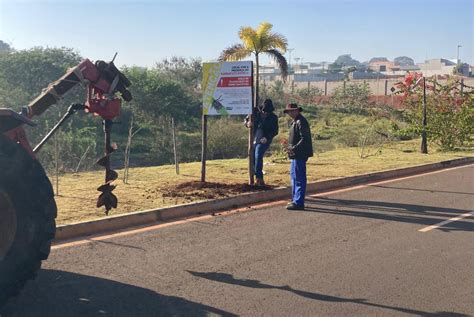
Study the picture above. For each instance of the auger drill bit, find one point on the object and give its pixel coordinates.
(107, 198)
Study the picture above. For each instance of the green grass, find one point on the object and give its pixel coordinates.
(154, 187)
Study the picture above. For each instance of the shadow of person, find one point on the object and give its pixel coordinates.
(59, 293)
(389, 211)
(230, 279)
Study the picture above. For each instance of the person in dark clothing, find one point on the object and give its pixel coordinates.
(300, 148)
(265, 129)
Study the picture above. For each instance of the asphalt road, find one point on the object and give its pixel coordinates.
(356, 252)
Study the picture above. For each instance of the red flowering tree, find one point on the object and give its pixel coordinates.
(449, 108)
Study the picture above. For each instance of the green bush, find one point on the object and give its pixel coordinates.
(227, 138)
(354, 98)
(189, 146)
(308, 94)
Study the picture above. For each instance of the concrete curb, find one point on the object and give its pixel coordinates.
(139, 218)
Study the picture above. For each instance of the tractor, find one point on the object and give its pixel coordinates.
(27, 206)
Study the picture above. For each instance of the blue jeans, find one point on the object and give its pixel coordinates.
(259, 152)
(298, 181)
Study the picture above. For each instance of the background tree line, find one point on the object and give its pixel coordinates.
(168, 90)
(171, 90)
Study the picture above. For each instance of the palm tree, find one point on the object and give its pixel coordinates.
(257, 41)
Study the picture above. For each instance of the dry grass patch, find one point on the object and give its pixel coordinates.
(154, 187)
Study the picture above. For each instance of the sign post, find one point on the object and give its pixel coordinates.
(204, 148)
(227, 90)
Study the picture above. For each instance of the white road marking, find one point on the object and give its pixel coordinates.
(429, 228)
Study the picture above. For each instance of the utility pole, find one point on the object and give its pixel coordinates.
(289, 55)
(290, 69)
(457, 59)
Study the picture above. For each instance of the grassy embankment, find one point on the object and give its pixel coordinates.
(153, 187)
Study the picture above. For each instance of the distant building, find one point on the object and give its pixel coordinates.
(409, 68)
(378, 68)
(269, 72)
(440, 66)
(298, 72)
(389, 68)
(383, 66)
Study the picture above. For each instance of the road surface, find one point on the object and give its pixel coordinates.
(396, 248)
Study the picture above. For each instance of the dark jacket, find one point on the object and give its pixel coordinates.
(269, 125)
(299, 140)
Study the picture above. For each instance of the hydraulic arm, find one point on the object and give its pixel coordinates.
(103, 82)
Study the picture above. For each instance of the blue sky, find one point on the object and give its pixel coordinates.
(146, 31)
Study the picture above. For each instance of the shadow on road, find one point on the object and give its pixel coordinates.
(57, 293)
(229, 279)
(120, 245)
(422, 190)
(409, 213)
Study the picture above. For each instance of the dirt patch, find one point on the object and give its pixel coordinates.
(197, 190)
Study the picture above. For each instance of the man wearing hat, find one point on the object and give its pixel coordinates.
(266, 128)
(300, 148)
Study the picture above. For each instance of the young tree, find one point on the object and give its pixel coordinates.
(258, 41)
(351, 98)
(157, 100)
(449, 110)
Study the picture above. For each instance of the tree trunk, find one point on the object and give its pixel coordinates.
(175, 147)
(257, 82)
(204, 148)
(128, 150)
(252, 120)
(424, 141)
(127, 153)
(82, 158)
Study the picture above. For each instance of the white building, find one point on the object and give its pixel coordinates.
(440, 66)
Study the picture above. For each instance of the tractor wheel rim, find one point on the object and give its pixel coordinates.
(8, 224)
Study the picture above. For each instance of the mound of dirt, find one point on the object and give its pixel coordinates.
(196, 190)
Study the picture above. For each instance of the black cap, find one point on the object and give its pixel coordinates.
(268, 106)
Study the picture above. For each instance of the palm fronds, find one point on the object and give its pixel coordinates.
(256, 41)
(281, 61)
(264, 28)
(278, 41)
(235, 52)
(249, 37)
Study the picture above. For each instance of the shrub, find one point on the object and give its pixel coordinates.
(308, 94)
(354, 98)
(450, 114)
(227, 138)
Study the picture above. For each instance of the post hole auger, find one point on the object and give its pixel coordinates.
(27, 206)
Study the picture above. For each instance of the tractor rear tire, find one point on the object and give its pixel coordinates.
(27, 218)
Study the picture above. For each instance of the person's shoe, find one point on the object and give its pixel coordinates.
(293, 206)
(259, 182)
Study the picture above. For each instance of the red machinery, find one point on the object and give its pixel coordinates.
(27, 206)
(102, 81)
